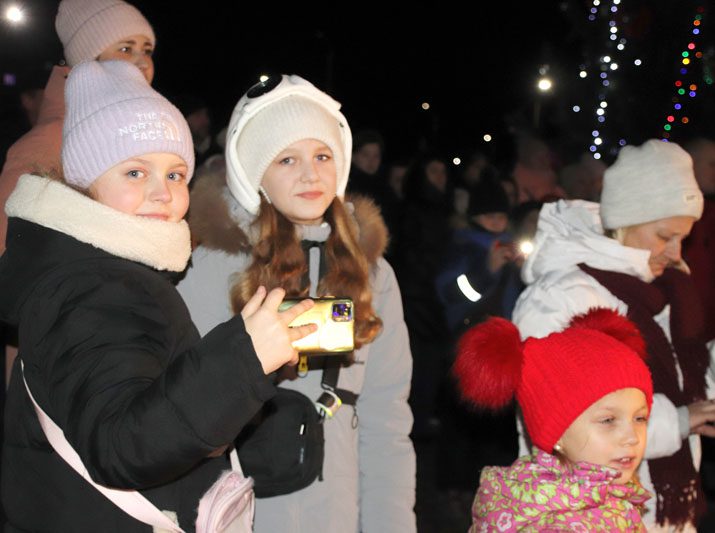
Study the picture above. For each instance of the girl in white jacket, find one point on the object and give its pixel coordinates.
(278, 218)
(625, 254)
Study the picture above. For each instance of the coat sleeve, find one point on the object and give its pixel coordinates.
(108, 365)
(387, 457)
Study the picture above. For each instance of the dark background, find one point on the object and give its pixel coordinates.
(477, 70)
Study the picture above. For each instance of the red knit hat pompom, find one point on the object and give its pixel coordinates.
(612, 323)
(488, 363)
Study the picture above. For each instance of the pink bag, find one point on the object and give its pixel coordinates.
(228, 506)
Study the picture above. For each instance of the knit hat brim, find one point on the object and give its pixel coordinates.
(554, 394)
(274, 129)
(114, 115)
(88, 28)
(647, 183)
(292, 111)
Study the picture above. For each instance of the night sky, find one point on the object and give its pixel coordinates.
(478, 72)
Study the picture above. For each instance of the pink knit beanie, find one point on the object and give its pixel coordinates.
(87, 27)
(113, 115)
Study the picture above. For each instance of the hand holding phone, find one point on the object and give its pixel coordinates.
(269, 329)
(335, 326)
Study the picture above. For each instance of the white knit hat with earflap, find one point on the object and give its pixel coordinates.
(647, 183)
(265, 123)
(87, 27)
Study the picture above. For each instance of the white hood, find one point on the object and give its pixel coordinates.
(569, 233)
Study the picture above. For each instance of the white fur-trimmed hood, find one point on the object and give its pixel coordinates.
(156, 243)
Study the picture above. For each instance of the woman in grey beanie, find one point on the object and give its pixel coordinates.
(626, 254)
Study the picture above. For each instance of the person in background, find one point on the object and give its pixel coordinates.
(534, 172)
(367, 178)
(479, 276)
(585, 393)
(698, 248)
(88, 29)
(583, 180)
(279, 218)
(197, 114)
(366, 164)
(421, 245)
(106, 345)
(625, 254)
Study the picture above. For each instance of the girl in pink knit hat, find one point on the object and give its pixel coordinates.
(107, 348)
(585, 394)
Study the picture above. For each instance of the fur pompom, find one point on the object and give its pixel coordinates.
(488, 363)
(614, 324)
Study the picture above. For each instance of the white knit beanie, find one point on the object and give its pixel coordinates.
(647, 183)
(113, 115)
(263, 126)
(87, 27)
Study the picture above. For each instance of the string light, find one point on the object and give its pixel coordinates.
(689, 55)
(606, 66)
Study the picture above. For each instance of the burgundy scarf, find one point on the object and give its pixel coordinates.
(676, 482)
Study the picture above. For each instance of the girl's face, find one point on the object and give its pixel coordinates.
(612, 432)
(136, 49)
(301, 181)
(662, 237)
(151, 185)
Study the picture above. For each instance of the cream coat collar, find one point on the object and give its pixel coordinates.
(52, 204)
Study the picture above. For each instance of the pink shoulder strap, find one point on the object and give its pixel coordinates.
(130, 501)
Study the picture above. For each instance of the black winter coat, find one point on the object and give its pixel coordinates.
(111, 355)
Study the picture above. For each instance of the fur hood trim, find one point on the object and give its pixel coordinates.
(52, 204)
(218, 222)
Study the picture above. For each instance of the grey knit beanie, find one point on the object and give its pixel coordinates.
(87, 27)
(113, 115)
(647, 183)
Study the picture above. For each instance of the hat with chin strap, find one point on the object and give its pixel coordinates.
(271, 116)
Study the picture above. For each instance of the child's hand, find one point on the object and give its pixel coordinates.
(500, 254)
(269, 329)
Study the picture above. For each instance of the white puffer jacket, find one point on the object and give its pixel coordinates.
(570, 233)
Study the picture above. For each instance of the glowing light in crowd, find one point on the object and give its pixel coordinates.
(526, 247)
(456, 161)
(425, 105)
(487, 138)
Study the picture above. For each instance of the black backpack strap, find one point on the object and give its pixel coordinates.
(330, 381)
(333, 397)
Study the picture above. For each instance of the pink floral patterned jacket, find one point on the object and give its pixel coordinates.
(540, 493)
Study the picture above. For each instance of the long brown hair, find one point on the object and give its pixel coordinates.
(279, 261)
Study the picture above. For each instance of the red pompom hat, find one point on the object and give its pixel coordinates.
(555, 378)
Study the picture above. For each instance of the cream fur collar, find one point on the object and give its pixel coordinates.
(52, 204)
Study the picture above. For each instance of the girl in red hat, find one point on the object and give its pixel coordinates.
(585, 394)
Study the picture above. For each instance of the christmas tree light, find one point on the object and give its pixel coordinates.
(686, 84)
